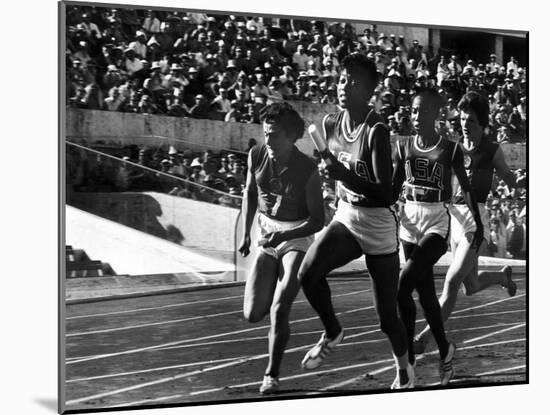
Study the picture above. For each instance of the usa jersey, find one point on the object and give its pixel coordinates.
(478, 163)
(428, 171)
(282, 196)
(353, 151)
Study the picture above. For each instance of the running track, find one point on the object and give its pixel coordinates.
(194, 347)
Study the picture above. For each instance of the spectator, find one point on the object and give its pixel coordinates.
(300, 58)
(234, 114)
(516, 236)
(201, 109)
(114, 101)
(139, 45)
(132, 64)
(221, 103)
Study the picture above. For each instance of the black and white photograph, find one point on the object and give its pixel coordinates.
(264, 207)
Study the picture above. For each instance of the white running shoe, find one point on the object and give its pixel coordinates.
(270, 384)
(410, 384)
(446, 370)
(315, 356)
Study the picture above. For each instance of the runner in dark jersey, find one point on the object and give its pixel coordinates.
(424, 164)
(365, 223)
(284, 186)
(481, 159)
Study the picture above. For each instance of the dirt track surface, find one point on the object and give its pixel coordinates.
(195, 347)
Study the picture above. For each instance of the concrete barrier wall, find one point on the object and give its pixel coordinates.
(187, 222)
(124, 129)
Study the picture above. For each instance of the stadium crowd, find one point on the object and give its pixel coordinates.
(223, 67)
(213, 177)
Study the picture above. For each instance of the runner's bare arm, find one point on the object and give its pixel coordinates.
(462, 177)
(249, 206)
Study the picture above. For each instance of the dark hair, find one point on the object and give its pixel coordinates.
(477, 104)
(359, 64)
(286, 116)
(431, 95)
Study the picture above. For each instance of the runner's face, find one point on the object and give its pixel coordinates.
(423, 115)
(279, 143)
(352, 91)
(471, 128)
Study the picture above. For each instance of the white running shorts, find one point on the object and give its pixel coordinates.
(374, 228)
(419, 219)
(267, 225)
(462, 222)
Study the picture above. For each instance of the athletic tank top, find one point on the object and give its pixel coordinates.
(478, 163)
(428, 171)
(282, 196)
(353, 150)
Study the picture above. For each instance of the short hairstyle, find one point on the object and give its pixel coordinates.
(359, 64)
(432, 95)
(478, 104)
(285, 115)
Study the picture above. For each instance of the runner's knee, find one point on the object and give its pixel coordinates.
(253, 314)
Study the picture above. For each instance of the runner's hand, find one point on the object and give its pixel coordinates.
(335, 169)
(244, 249)
(273, 239)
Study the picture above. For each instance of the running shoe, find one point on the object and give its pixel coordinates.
(510, 286)
(419, 345)
(410, 384)
(446, 370)
(270, 384)
(315, 356)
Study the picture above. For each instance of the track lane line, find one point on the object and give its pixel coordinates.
(496, 372)
(356, 366)
(175, 305)
(160, 323)
(213, 336)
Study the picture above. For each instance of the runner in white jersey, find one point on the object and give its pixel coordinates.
(481, 159)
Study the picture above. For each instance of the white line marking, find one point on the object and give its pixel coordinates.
(387, 368)
(213, 336)
(143, 402)
(211, 300)
(494, 333)
(243, 360)
(156, 369)
(137, 310)
(162, 346)
(356, 366)
(180, 376)
(160, 323)
(488, 304)
(494, 372)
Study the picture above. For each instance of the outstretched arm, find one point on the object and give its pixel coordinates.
(250, 204)
(462, 177)
(398, 173)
